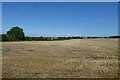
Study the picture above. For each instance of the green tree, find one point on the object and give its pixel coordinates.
(4, 37)
(15, 34)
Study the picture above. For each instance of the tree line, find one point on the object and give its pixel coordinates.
(17, 34)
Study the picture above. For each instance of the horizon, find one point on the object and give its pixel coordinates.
(62, 18)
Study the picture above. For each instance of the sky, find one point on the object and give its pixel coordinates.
(61, 18)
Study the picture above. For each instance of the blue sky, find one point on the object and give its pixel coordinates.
(61, 18)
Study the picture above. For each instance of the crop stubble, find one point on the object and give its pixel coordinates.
(80, 58)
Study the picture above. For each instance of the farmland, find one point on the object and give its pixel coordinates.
(76, 58)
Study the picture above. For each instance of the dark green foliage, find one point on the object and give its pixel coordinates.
(114, 36)
(28, 38)
(4, 37)
(64, 38)
(46, 38)
(15, 34)
(0, 37)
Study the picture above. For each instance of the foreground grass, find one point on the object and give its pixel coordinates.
(80, 58)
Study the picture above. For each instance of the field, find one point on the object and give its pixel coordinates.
(78, 58)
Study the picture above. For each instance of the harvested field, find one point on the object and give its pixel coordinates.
(78, 58)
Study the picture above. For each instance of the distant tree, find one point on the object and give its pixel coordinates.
(0, 37)
(4, 37)
(15, 34)
(89, 37)
(28, 38)
(114, 37)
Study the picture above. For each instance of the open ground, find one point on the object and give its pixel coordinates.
(77, 58)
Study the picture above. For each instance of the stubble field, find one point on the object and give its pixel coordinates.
(80, 58)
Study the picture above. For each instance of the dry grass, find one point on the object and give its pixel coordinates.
(84, 58)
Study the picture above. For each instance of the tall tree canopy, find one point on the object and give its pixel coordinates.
(16, 34)
(3, 37)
